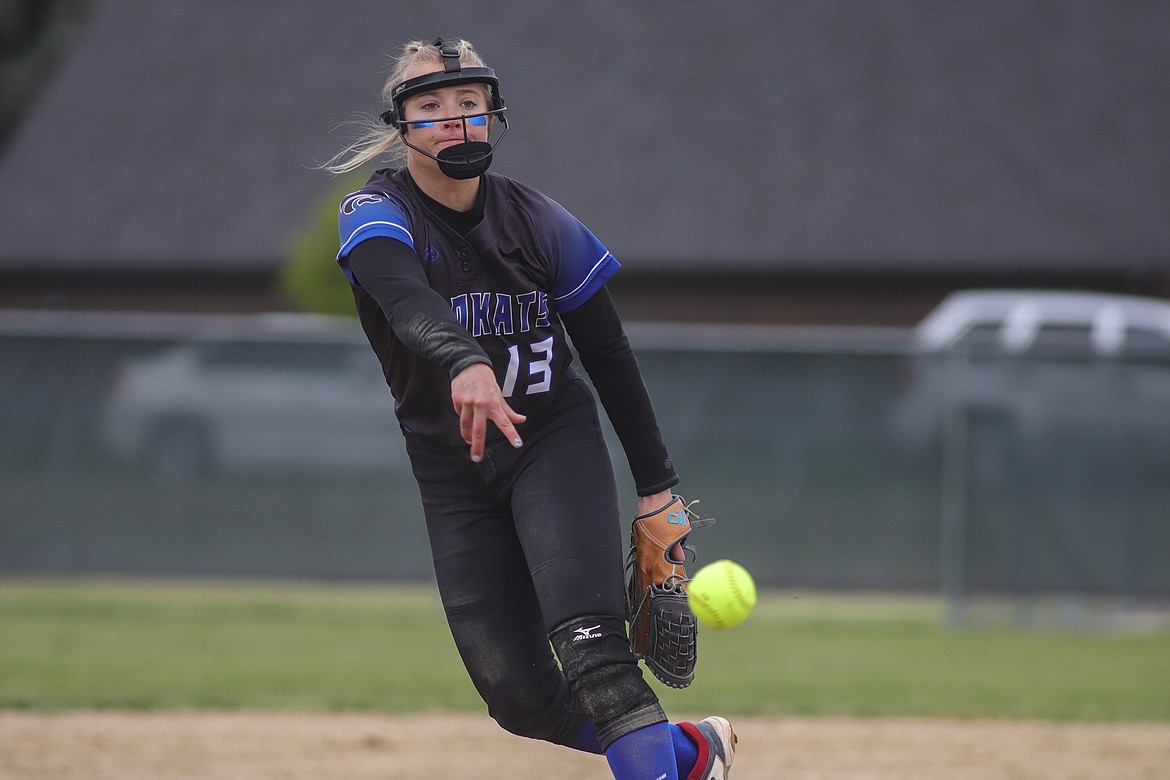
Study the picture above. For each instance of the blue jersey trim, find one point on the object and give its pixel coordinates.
(376, 228)
(601, 271)
(369, 214)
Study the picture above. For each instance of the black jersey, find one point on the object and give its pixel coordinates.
(507, 280)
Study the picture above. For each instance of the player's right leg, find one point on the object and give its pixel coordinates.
(489, 599)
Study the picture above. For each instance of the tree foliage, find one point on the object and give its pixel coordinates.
(310, 277)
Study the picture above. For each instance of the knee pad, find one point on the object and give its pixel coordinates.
(595, 654)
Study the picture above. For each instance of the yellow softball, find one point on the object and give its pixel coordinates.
(722, 594)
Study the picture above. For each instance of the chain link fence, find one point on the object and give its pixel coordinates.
(266, 446)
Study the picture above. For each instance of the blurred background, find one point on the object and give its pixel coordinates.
(800, 193)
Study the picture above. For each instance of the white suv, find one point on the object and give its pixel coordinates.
(1019, 321)
(1037, 360)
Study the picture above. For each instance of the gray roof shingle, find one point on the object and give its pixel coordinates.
(812, 134)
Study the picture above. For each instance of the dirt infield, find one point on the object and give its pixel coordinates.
(263, 746)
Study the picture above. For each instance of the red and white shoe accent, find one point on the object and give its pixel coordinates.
(716, 741)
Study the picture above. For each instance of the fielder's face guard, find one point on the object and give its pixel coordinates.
(459, 161)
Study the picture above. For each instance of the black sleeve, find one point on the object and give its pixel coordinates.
(601, 343)
(390, 272)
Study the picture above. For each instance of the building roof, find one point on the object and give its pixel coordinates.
(825, 135)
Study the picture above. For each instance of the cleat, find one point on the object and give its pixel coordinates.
(716, 741)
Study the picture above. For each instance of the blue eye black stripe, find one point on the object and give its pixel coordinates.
(474, 121)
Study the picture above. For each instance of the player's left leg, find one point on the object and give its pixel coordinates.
(568, 519)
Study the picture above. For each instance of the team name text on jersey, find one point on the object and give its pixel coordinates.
(501, 314)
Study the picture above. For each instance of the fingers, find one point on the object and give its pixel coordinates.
(477, 400)
(478, 432)
(473, 420)
(507, 424)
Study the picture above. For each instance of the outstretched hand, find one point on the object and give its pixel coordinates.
(477, 399)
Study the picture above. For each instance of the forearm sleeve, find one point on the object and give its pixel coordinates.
(390, 272)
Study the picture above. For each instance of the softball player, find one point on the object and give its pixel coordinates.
(467, 284)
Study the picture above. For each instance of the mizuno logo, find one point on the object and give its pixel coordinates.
(587, 633)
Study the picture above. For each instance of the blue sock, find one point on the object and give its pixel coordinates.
(586, 740)
(686, 752)
(645, 754)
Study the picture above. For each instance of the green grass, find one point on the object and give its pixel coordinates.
(164, 644)
(261, 645)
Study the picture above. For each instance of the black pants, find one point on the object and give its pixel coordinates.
(523, 541)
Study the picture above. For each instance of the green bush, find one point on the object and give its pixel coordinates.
(310, 278)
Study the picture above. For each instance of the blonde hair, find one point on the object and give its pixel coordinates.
(379, 139)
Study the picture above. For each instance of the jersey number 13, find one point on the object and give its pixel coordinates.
(539, 368)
